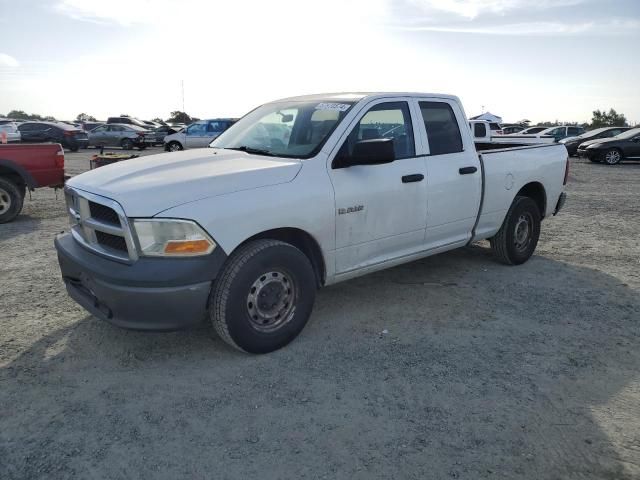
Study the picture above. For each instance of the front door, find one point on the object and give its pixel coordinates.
(196, 135)
(380, 209)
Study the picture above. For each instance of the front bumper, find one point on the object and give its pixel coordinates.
(151, 294)
(587, 153)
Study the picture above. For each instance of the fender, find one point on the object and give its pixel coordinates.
(27, 178)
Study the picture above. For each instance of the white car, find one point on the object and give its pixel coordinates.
(197, 135)
(10, 131)
(299, 194)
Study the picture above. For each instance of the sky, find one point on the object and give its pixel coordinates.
(541, 60)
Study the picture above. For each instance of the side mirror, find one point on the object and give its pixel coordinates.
(371, 152)
(287, 118)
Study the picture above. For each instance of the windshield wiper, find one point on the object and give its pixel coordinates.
(256, 151)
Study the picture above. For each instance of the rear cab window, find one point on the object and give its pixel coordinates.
(443, 131)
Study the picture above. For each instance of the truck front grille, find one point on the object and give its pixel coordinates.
(100, 225)
(111, 241)
(103, 213)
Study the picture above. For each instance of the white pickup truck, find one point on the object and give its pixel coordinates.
(298, 194)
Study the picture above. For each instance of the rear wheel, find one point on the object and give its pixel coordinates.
(11, 200)
(516, 240)
(263, 297)
(613, 156)
(126, 144)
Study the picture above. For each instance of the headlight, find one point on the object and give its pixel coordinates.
(171, 238)
(594, 145)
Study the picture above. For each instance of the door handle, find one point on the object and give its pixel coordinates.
(416, 177)
(467, 170)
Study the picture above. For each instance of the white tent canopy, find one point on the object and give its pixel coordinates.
(489, 117)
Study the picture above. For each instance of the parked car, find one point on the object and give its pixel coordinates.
(123, 120)
(563, 131)
(509, 129)
(484, 138)
(164, 130)
(121, 135)
(246, 231)
(625, 146)
(67, 135)
(531, 130)
(11, 131)
(88, 126)
(150, 124)
(25, 167)
(572, 143)
(197, 135)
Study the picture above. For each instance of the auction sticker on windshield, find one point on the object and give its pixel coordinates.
(341, 107)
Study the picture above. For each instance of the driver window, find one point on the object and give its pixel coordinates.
(385, 120)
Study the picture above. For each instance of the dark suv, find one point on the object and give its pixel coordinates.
(69, 136)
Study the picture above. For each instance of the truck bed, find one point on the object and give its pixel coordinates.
(505, 170)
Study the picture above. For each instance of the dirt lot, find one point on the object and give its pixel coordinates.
(484, 371)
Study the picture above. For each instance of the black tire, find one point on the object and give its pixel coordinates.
(126, 144)
(613, 156)
(142, 148)
(11, 200)
(263, 278)
(516, 240)
(174, 146)
(74, 149)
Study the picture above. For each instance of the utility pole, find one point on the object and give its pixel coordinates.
(182, 95)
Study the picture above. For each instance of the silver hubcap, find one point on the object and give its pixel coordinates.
(522, 234)
(174, 147)
(613, 156)
(5, 201)
(271, 301)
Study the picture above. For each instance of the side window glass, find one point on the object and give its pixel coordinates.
(442, 128)
(214, 127)
(196, 129)
(479, 130)
(385, 120)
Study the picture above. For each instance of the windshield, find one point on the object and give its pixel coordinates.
(284, 129)
(628, 134)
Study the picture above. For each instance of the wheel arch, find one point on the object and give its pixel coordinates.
(17, 173)
(536, 192)
(302, 240)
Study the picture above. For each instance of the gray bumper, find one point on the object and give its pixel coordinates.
(151, 294)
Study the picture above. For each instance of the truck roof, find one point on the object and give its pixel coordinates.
(357, 96)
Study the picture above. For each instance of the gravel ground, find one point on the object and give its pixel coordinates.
(449, 367)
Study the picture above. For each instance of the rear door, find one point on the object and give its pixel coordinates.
(380, 209)
(454, 181)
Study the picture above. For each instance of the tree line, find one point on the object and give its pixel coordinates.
(599, 119)
(174, 117)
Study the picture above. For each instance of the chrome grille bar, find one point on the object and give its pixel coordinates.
(84, 226)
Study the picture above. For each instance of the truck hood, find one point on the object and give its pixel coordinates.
(148, 185)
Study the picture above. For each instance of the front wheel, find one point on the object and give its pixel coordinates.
(126, 144)
(174, 146)
(612, 157)
(517, 239)
(11, 200)
(263, 296)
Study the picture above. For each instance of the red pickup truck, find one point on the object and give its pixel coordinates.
(27, 166)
